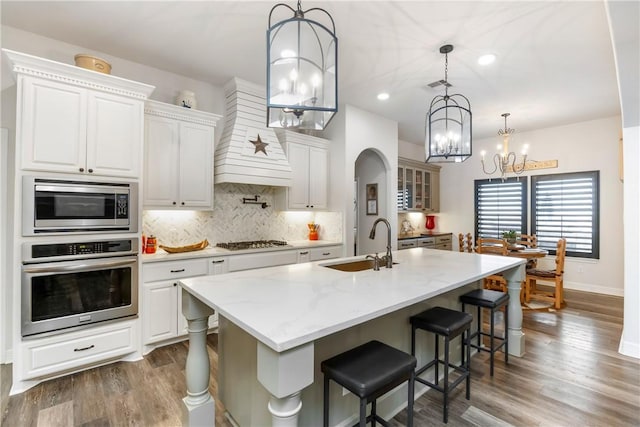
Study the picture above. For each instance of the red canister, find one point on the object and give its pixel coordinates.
(152, 244)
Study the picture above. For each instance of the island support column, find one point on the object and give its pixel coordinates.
(199, 407)
(284, 375)
(514, 277)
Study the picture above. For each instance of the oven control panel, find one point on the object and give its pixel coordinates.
(71, 250)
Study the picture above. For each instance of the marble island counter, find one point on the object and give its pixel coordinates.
(277, 324)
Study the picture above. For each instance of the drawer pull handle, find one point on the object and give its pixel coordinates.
(218, 261)
(326, 253)
(178, 271)
(84, 348)
(304, 253)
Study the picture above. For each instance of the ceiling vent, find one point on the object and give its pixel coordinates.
(249, 152)
(439, 83)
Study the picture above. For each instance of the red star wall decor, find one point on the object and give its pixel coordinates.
(260, 146)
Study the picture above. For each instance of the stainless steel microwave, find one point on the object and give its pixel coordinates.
(52, 205)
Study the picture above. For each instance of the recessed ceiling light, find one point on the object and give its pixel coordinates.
(486, 59)
(383, 96)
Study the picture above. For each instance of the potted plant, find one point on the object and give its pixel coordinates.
(510, 236)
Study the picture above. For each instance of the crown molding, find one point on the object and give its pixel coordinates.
(170, 111)
(25, 64)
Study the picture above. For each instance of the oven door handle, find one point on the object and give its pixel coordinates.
(75, 267)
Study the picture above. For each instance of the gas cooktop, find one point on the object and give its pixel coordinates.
(252, 244)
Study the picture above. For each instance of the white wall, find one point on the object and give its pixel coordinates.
(584, 146)
(351, 132)
(210, 98)
(630, 341)
(371, 170)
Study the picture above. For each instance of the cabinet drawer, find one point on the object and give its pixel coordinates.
(445, 246)
(57, 354)
(426, 242)
(443, 239)
(406, 244)
(169, 270)
(318, 254)
(267, 259)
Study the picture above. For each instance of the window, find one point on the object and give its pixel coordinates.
(500, 206)
(567, 205)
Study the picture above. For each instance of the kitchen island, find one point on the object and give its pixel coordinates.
(277, 324)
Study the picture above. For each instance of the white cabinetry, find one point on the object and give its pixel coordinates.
(262, 259)
(162, 317)
(69, 351)
(309, 160)
(319, 254)
(72, 120)
(178, 157)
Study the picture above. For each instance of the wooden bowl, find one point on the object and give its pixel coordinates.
(188, 248)
(92, 63)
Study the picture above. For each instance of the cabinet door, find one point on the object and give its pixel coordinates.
(400, 201)
(419, 190)
(428, 205)
(114, 135)
(298, 156)
(160, 302)
(409, 187)
(318, 163)
(160, 162)
(53, 120)
(196, 166)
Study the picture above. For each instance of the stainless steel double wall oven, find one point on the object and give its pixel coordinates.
(74, 273)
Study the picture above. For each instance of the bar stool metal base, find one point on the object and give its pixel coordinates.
(494, 301)
(449, 324)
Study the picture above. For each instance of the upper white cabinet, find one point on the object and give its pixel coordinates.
(77, 121)
(309, 160)
(418, 186)
(178, 157)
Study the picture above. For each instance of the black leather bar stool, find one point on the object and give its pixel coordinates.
(369, 371)
(446, 323)
(494, 301)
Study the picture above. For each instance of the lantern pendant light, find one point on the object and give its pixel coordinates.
(448, 124)
(302, 70)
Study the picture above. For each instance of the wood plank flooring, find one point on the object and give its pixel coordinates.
(571, 375)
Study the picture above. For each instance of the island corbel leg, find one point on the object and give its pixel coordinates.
(199, 407)
(284, 375)
(514, 277)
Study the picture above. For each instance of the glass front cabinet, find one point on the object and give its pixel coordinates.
(418, 186)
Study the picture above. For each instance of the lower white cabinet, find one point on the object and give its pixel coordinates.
(319, 254)
(60, 353)
(443, 242)
(162, 317)
(406, 244)
(262, 259)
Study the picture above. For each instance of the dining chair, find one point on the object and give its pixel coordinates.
(495, 282)
(529, 241)
(465, 242)
(555, 276)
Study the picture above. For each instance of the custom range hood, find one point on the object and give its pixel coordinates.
(249, 152)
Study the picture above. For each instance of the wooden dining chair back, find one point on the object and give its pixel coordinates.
(529, 241)
(495, 282)
(465, 242)
(555, 276)
(492, 246)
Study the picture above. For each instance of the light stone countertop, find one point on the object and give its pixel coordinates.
(213, 251)
(287, 306)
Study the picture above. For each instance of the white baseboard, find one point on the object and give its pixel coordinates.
(589, 287)
(629, 348)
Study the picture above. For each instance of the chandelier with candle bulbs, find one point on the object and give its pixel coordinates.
(448, 124)
(302, 76)
(505, 161)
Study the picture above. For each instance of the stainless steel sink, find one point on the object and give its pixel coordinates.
(351, 266)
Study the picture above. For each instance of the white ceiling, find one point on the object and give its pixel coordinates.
(554, 62)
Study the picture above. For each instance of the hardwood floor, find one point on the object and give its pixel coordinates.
(571, 374)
